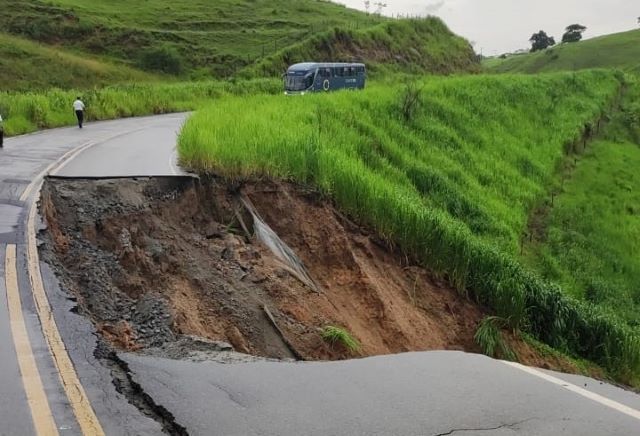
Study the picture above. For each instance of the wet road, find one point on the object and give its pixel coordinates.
(432, 393)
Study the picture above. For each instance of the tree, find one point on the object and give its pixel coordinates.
(573, 33)
(541, 41)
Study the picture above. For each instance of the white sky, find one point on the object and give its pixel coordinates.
(497, 26)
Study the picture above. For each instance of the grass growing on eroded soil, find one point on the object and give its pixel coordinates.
(338, 335)
(452, 183)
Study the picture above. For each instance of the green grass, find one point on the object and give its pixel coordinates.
(489, 337)
(452, 185)
(620, 50)
(410, 46)
(213, 37)
(26, 65)
(338, 335)
(593, 230)
(25, 112)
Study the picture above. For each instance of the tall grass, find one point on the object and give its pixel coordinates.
(452, 186)
(593, 230)
(29, 111)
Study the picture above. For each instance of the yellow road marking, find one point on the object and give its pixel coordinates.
(65, 158)
(85, 415)
(36, 397)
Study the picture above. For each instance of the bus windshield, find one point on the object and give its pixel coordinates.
(298, 81)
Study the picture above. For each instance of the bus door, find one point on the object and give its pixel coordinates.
(324, 79)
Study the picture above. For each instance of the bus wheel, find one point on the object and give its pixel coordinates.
(325, 85)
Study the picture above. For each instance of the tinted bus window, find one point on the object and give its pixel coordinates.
(324, 72)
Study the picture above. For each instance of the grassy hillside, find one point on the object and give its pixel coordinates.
(26, 65)
(417, 45)
(207, 37)
(620, 50)
(592, 233)
(448, 172)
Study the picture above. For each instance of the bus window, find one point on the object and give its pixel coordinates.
(324, 72)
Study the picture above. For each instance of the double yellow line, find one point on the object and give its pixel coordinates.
(36, 397)
(43, 420)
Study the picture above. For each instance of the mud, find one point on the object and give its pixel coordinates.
(170, 267)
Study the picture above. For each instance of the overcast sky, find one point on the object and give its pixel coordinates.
(497, 26)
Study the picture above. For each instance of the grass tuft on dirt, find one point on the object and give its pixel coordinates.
(340, 336)
(451, 181)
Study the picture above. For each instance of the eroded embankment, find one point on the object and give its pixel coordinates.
(170, 265)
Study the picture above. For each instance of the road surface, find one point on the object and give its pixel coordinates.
(429, 393)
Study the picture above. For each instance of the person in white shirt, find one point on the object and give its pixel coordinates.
(78, 106)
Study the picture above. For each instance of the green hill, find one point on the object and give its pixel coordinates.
(620, 50)
(26, 65)
(414, 46)
(449, 170)
(208, 37)
(204, 39)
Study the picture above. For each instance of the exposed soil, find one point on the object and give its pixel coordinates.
(169, 266)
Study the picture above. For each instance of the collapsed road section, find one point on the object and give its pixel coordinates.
(171, 266)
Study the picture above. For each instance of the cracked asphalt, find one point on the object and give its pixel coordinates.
(428, 393)
(412, 394)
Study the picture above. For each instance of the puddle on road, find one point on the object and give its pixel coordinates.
(9, 217)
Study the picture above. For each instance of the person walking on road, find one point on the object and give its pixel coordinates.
(1, 132)
(78, 106)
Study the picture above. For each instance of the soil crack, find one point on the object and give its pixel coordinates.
(135, 394)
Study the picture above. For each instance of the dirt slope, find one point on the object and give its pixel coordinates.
(170, 266)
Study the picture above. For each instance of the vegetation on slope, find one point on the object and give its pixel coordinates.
(592, 233)
(200, 37)
(620, 50)
(25, 65)
(30, 111)
(450, 178)
(414, 46)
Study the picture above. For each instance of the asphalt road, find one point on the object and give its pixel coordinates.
(430, 393)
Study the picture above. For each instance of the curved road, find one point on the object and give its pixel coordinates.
(51, 382)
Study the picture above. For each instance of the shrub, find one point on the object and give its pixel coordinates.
(163, 59)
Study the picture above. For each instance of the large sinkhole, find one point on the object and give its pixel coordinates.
(176, 266)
